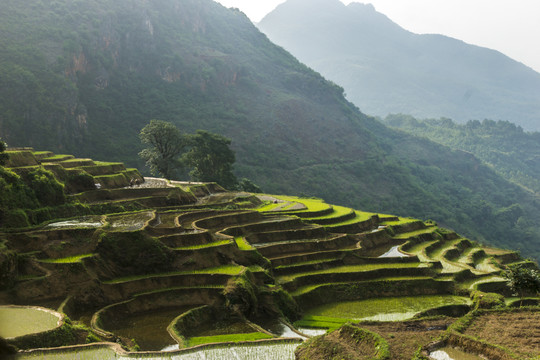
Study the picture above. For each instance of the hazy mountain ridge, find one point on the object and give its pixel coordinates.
(386, 69)
(84, 78)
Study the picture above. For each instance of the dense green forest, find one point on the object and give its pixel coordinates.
(510, 151)
(85, 77)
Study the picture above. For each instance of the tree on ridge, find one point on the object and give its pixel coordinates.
(166, 144)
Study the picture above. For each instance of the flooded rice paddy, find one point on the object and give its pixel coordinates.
(82, 222)
(278, 328)
(393, 252)
(129, 222)
(18, 320)
(450, 353)
(385, 309)
(149, 329)
(257, 351)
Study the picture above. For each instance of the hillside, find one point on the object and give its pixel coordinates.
(183, 270)
(512, 152)
(386, 69)
(84, 77)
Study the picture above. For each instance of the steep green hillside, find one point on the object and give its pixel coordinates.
(386, 69)
(512, 152)
(85, 77)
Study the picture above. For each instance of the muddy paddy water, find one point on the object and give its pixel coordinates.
(18, 321)
(385, 309)
(450, 353)
(149, 329)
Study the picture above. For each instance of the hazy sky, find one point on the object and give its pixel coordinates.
(509, 26)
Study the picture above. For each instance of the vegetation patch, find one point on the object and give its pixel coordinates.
(384, 309)
(193, 341)
(517, 331)
(67, 260)
(136, 252)
(406, 337)
(347, 342)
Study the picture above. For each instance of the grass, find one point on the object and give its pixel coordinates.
(227, 338)
(401, 221)
(204, 246)
(305, 289)
(174, 288)
(225, 269)
(338, 211)
(417, 248)
(416, 233)
(67, 260)
(384, 309)
(243, 244)
(303, 263)
(436, 254)
(268, 206)
(321, 322)
(349, 269)
(360, 216)
(310, 203)
(58, 157)
(471, 284)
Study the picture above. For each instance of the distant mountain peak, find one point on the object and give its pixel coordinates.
(387, 69)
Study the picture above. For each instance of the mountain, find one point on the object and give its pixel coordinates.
(387, 69)
(84, 77)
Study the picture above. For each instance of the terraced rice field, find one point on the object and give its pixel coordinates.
(382, 309)
(220, 253)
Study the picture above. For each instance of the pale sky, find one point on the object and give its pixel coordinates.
(509, 26)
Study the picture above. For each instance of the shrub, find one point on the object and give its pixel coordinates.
(48, 191)
(482, 300)
(16, 218)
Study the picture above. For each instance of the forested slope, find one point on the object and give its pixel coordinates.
(85, 77)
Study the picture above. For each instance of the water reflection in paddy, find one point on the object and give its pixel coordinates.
(393, 252)
(18, 321)
(278, 328)
(82, 222)
(276, 351)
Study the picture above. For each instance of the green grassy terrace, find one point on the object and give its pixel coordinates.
(225, 269)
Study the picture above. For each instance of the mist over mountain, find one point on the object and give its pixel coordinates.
(387, 69)
(84, 78)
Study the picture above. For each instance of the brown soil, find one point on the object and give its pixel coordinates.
(518, 331)
(340, 344)
(404, 338)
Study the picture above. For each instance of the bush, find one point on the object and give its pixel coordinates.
(482, 300)
(13, 218)
(48, 191)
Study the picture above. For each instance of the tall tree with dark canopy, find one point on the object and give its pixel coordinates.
(522, 280)
(211, 159)
(166, 143)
